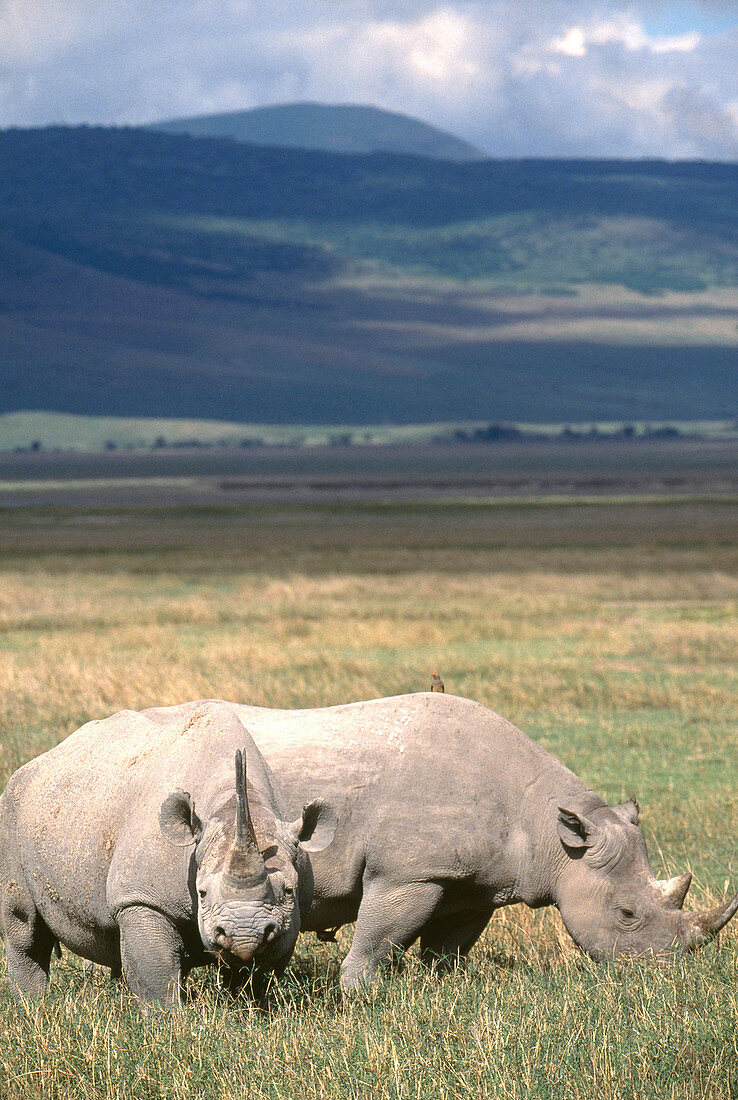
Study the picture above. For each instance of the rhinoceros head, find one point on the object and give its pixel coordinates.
(608, 897)
(249, 864)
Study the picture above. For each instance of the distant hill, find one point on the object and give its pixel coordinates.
(151, 274)
(338, 128)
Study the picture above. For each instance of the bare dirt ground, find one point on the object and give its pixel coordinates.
(179, 477)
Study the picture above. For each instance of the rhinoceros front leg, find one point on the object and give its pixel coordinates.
(390, 916)
(152, 954)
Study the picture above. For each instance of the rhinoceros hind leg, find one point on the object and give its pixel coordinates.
(446, 942)
(152, 952)
(28, 948)
(390, 916)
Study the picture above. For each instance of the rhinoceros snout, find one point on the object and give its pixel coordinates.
(259, 938)
(222, 939)
(268, 933)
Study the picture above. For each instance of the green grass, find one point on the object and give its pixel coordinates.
(94, 433)
(513, 1025)
(618, 658)
(532, 251)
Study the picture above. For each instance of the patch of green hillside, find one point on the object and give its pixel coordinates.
(175, 210)
(179, 211)
(529, 251)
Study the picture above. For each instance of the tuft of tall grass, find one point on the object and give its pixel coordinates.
(525, 1019)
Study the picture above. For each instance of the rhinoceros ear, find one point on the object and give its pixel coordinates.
(315, 830)
(629, 811)
(177, 819)
(575, 830)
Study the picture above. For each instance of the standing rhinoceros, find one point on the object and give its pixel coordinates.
(143, 845)
(447, 812)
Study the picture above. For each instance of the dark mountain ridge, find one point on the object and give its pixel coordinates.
(144, 273)
(340, 127)
(124, 169)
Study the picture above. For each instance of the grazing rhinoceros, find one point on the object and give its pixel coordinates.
(447, 812)
(143, 845)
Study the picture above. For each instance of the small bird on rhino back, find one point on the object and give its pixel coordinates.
(436, 682)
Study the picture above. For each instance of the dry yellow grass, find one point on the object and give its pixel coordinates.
(84, 643)
(618, 661)
(573, 657)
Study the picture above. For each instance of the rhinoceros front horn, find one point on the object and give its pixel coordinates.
(674, 890)
(706, 925)
(244, 863)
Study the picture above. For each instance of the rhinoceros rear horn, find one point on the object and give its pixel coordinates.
(244, 859)
(674, 890)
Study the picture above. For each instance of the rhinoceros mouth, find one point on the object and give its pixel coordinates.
(225, 941)
(233, 962)
(237, 957)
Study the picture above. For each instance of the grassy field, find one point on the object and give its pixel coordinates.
(525, 252)
(65, 431)
(608, 633)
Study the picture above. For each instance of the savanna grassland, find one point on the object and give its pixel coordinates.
(606, 630)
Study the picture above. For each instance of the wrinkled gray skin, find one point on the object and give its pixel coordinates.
(447, 812)
(138, 845)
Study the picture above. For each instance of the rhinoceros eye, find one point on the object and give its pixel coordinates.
(627, 914)
(285, 887)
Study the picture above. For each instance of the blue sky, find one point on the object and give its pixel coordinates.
(594, 78)
(678, 18)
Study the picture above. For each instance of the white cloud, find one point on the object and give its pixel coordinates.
(430, 63)
(678, 43)
(49, 32)
(573, 43)
(565, 77)
(625, 32)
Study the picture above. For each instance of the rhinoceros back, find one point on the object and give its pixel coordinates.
(436, 746)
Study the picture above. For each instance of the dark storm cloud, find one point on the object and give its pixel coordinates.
(551, 77)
